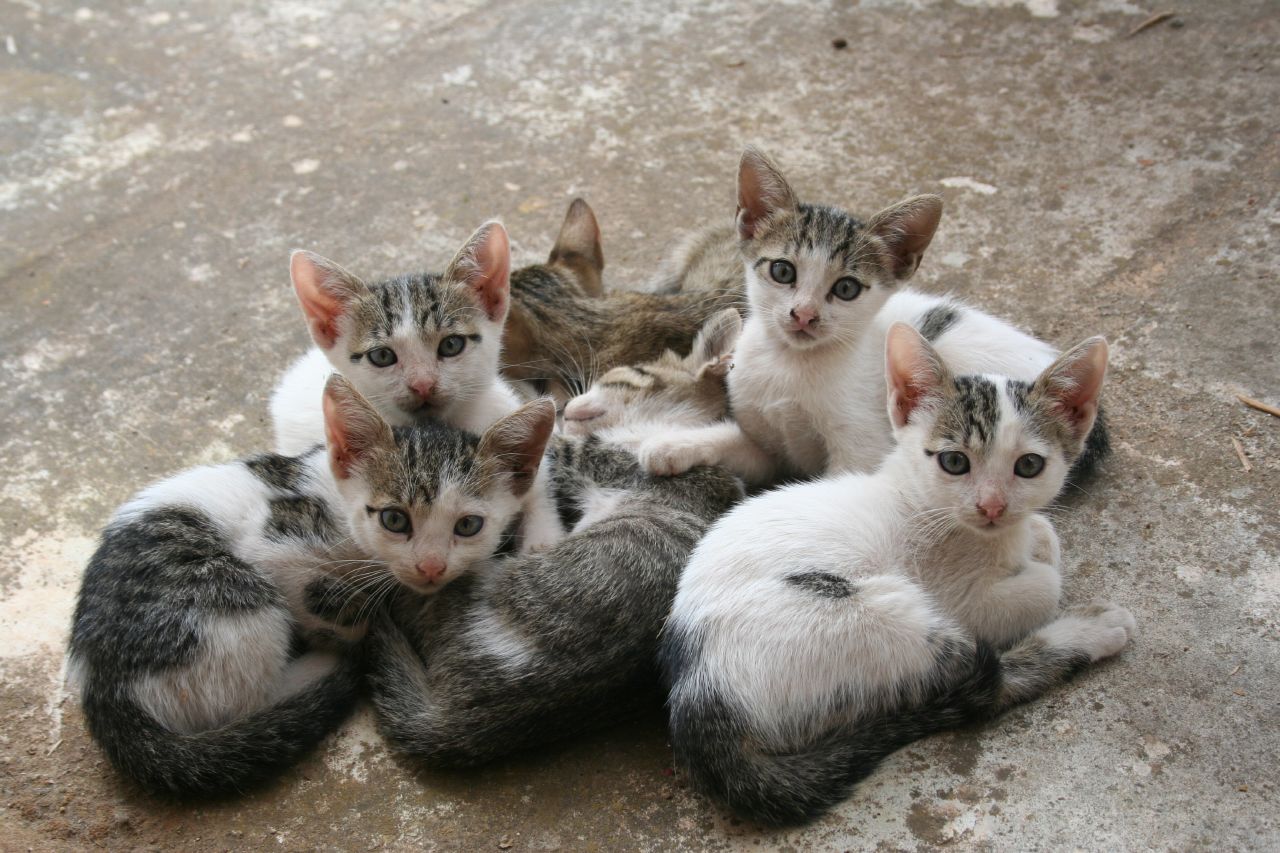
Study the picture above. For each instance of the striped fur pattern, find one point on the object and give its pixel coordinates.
(536, 648)
(217, 632)
(672, 389)
(824, 287)
(821, 626)
(561, 337)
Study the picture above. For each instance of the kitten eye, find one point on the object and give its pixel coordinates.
(451, 346)
(395, 520)
(468, 525)
(783, 272)
(953, 462)
(847, 289)
(1028, 465)
(382, 356)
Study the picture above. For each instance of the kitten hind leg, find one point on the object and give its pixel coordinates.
(1082, 635)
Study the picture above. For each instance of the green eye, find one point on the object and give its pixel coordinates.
(953, 462)
(468, 525)
(382, 356)
(451, 346)
(395, 520)
(783, 272)
(847, 289)
(1028, 465)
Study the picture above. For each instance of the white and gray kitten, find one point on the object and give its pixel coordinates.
(821, 626)
(215, 635)
(420, 347)
(824, 287)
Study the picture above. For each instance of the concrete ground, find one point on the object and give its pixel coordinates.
(160, 162)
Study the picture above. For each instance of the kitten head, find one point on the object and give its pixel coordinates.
(415, 345)
(988, 450)
(817, 275)
(429, 500)
(672, 389)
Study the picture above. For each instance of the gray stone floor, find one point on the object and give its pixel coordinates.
(158, 164)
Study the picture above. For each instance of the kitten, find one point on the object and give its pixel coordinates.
(823, 289)
(671, 390)
(420, 347)
(821, 626)
(215, 636)
(562, 337)
(535, 648)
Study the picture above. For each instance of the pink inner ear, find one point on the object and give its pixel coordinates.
(336, 438)
(492, 281)
(321, 307)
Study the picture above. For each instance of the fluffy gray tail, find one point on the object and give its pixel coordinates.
(713, 744)
(225, 760)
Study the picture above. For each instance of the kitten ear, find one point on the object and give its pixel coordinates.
(352, 427)
(906, 229)
(712, 352)
(1071, 385)
(762, 192)
(325, 291)
(514, 444)
(913, 371)
(578, 247)
(484, 264)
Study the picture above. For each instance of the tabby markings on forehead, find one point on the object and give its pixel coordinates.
(971, 412)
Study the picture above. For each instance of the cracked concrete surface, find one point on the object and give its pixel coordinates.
(159, 162)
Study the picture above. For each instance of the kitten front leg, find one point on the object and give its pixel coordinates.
(1013, 606)
(724, 444)
(1082, 635)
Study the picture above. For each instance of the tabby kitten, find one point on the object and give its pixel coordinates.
(824, 288)
(531, 649)
(821, 626)
(672, 390)
(560, 337)
(215, 635)
(420, 347)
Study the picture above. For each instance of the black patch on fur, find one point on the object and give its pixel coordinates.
(298, 517)
(510, 541)
(977, 409)
(283, 473)
(1097, 446)
(937, 320)
(334, 600)
(823, 584)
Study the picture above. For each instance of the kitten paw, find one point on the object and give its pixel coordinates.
(665, 457)
(1099, 629)
(1045, 547)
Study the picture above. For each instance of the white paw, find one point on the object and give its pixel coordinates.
(667, 457)
(1100, 629)
(1045, 547)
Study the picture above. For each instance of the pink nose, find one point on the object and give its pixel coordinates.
(992, 508)
(431, 569)
(804, 317)
(423, 387)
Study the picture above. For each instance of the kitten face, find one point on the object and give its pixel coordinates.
(817, 275)
(986, 451)
(430, 501)
(811, 274)
(670, 389)
(428, 507)
(416, 346)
